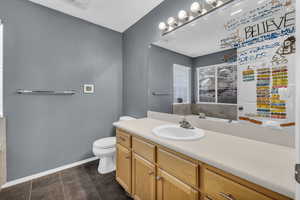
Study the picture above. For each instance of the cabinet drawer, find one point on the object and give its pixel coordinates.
(123, 138)
(183, 169)
(219, 187)
(144, 149)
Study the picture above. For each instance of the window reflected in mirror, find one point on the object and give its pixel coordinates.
(206, 84)
(217, 84)
(227, 84)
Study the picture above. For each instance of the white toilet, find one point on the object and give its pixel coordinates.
(105, 150)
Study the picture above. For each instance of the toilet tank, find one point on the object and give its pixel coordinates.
(126, 118)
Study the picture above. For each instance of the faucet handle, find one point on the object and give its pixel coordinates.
(202, 115)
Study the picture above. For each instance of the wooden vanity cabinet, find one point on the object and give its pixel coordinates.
(143, 178)
(123, 139)
(124, 160)
(181, 168)
(220, 187)
(144, 149)
(123, 167)
(149, 171)
(171, 188)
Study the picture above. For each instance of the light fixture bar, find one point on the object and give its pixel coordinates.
(197, 11)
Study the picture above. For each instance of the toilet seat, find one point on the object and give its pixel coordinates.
(105, 143)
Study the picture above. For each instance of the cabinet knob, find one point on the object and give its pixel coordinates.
(226, 196)
(159, 178)
(150, 173)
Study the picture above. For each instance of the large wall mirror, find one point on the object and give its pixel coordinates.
(236, 62)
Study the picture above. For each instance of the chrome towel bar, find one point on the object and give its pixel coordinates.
(160, 94)
(46, 92)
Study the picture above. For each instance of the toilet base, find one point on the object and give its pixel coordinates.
(106, 165)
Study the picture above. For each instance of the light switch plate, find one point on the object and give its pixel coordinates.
(88, 88)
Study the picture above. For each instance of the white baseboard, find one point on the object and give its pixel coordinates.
(45, 173)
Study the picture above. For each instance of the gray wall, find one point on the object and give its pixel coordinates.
(135, 45)
(213, 59)
(45, 49)
(160, 77)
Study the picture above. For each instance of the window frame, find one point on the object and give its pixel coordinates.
(216, 67)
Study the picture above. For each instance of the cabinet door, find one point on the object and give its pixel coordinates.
(123, 168)
(170, 188)
(143, 179)
(2, 167)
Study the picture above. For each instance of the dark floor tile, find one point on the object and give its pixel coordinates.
(18, 192)
(93, 163)
(52, 191)
(92, 168)
(46, 181)
(106, 184)
(81, 189)
(74, 174)
(79, 183)
(108, 187)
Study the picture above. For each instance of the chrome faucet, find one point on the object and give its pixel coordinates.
(185, 124)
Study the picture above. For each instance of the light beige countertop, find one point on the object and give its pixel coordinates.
(268, 165)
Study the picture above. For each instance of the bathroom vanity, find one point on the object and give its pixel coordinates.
(215, 167)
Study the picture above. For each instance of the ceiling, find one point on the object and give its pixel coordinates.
(117, 15)
(203, 36)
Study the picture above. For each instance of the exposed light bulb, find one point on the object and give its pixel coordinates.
(220, 3)
(191, 17)
(196, 7)
(162, 26)
(172, 21)
(211, 2)
(183, 15)
(214, 3)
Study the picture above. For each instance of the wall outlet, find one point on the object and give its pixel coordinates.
(88, 88)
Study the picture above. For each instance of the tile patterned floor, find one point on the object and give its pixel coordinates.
(79, 183)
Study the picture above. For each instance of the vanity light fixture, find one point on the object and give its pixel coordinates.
(183, 15)
(197, 9)
(172, 21)
(214, 3)
(162, 26)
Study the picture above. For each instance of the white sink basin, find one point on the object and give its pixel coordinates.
(175, 132)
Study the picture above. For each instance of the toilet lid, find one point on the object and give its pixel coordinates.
(126, 118)
(105, 143)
